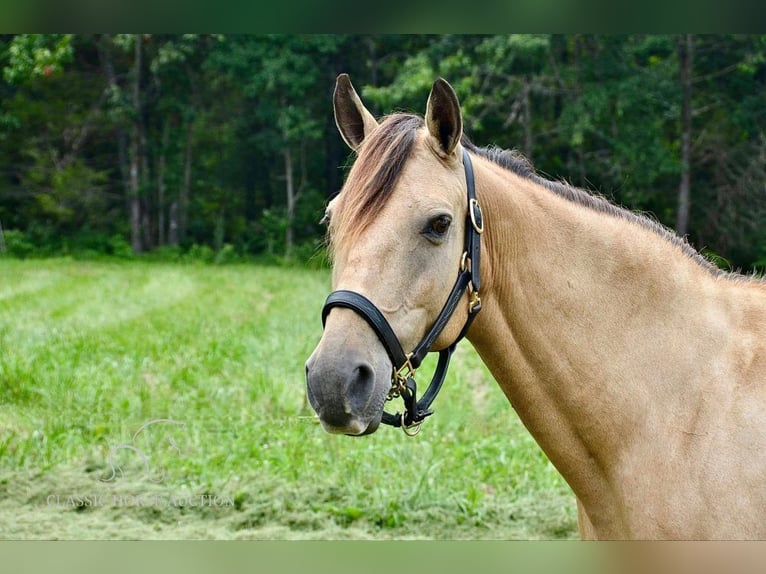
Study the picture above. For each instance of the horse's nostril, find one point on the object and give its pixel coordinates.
(360, 386)
(364, 374)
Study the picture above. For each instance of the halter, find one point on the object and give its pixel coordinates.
(406, 364)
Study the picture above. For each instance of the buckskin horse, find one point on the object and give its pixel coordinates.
(637, 366)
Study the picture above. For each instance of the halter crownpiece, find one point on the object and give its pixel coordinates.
(406, 364)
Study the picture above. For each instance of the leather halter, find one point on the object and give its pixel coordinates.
(405, 364)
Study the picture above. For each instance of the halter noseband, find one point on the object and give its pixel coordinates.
(403, 381)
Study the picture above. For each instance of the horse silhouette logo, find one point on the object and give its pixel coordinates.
(145, 459)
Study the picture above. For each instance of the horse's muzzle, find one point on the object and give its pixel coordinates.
(344, 395)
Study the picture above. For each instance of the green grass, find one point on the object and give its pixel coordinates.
(90, 351)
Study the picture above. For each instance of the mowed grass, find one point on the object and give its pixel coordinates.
(209, 361)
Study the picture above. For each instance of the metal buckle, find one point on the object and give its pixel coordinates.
(406, 429)
(398, 386)
(473, 209)
(399, 378)
(474, 304)
(464, 262)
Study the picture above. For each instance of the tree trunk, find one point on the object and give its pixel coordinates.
(146, 225)
(373, 60)
(122, 136)
(183, 199)
(527, 117)
(161, 185)
(219, 231)
(335, 157)
(135, 153)
(686, 65)
(147, 207)
(173, 224)
(290, 190)
(577, 49)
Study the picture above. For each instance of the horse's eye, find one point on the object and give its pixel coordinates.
(439, 225)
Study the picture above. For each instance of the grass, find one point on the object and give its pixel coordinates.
(91, 351)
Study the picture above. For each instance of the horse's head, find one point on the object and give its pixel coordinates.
(397, 233)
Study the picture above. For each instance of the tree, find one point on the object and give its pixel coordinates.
(49, 120)
(167, 139)
(155, 105)
(686, 70)
(281, 75)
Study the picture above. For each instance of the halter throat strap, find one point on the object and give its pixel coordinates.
(405, 365)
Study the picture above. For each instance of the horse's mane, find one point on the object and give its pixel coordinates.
(521, 166)
(381, 159)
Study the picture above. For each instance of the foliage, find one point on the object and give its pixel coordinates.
(229, 139)
(17, 244)
(36, 55)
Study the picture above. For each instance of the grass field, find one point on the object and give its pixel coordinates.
(155, 400)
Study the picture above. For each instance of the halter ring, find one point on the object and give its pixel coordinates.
(406, 429)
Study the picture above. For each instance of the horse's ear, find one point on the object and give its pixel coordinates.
(443, 116)
(354, 121)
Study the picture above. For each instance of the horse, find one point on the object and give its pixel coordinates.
(637, 366)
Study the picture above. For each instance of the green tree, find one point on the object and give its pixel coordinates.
(171, 139)
(279, 75)
(49, 119)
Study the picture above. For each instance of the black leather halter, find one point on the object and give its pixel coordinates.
(405, 365)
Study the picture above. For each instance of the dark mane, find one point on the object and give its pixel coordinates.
(520, 165)
(371, 181)
(381, 159)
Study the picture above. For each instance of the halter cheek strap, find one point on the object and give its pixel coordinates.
(405, 364)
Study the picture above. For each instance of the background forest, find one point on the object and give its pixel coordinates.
(224, 146)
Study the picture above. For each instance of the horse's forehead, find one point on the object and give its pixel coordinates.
(376, 200)
(427, 186)
(426, 175)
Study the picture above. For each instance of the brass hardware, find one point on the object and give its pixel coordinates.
(397, 386)
(405, 371)
(464, 262)
(474, 302)
(406, 429)
(471, 205)
(399, 379)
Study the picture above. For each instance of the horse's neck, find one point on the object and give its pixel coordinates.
(586, 326)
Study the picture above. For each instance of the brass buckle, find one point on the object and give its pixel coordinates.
(399, 379)
(471, 211)
(474, 302)
(398, 383)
